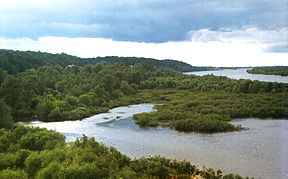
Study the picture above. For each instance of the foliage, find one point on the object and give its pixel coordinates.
(53, 93)
(6, 120)
(57, 92)
(3, 76)
(209, 112)
(18, 61)
(8, 173)
(131, 61)
(274, 70)
(15, 62)
(84, 158)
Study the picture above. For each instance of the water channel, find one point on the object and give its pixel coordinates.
(243, 74)
(260, 152)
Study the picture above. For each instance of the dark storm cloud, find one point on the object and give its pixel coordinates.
(140, 21)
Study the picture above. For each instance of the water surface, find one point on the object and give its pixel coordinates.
(260, 151)
(242, 74)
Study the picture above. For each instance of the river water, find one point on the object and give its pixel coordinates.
(261, 151)
(242, 74)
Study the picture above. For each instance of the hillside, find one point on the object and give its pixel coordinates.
(18, 61)
(170, 64)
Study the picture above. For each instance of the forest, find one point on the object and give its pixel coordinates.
(273, 70)
(40, 153)
(190, 103)
(170, 64)
(18, 61)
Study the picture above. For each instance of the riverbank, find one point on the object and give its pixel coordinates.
(260, 151)
(40, 153)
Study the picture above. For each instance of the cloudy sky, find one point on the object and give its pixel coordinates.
(199, 32)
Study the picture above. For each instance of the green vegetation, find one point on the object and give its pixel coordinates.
(40, 153)
(15, 62)
(54, 93)
(191, 103)
(170, 64)
(18, 61)
(6, 120)
(274, 70)
(57, 92)
(209, 112)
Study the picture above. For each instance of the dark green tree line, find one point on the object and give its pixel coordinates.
(274, 70)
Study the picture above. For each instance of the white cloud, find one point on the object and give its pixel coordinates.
(262, 38)
(249, 34)
(206, 48)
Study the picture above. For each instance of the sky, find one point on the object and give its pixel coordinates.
(199, 32)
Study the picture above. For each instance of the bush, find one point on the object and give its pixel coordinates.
(204, 125)
(33, 164)
(13, 174)
(145, 120)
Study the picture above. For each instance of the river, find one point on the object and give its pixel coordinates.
(260, 152)
(242, 74)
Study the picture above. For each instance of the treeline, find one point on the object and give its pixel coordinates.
(15, 62)
(213, 83)
(170, 64)
(274, 70)
(40, 153)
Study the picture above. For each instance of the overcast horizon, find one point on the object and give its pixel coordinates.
(201, 33)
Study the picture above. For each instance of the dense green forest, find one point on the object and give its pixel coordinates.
(41, 153)
(170, 64)
(274, 70)
(194, 103)
(18, 61)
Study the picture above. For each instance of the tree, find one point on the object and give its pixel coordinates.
(3, 75)
(6, 120)
(108, 82)
(12, 92)
(55, 114)
(126, 88)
